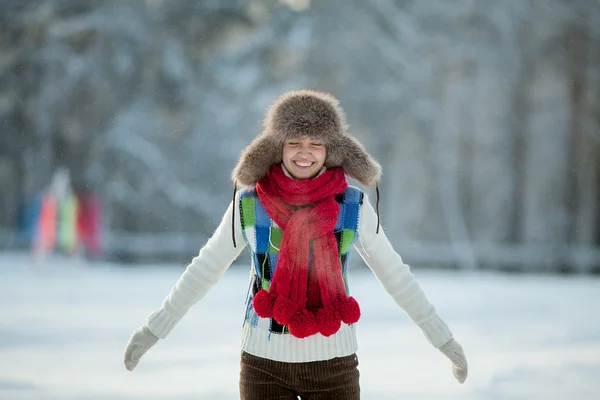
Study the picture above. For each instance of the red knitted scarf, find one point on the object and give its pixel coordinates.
(307, 300)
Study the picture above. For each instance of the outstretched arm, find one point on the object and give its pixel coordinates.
(397, 279)
(200, 275)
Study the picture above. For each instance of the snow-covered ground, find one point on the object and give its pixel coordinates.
(64, 325)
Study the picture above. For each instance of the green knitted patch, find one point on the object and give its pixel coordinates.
(275, 240)
(266, 284)
(248, 212)
(347, 239)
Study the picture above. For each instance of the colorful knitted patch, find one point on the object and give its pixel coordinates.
(263, 238)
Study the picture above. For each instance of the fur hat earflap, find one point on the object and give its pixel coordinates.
(305, 113)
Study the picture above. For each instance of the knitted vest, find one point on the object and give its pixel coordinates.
(263, 237)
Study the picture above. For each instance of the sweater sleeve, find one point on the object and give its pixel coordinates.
(396, 278)
(200, 275)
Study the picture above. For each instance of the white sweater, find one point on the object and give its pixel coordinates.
(375, 249)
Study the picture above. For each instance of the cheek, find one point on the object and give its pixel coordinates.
(286, 155)
(321, 156)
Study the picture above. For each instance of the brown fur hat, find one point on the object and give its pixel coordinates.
(305, 113)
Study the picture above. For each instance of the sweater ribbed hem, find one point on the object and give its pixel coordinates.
(161, 323)
(436, 331)
(287, 348)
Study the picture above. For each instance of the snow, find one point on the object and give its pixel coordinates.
(64, 325)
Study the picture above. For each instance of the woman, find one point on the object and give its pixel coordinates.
(300, 218)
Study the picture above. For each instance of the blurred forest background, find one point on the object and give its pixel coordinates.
(484, 114)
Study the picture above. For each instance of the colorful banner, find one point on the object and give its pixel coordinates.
(69, 225)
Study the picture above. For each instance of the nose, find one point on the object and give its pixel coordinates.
(304, 149)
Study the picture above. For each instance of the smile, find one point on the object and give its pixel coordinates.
(303, 164)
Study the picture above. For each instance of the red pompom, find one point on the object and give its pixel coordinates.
(263, 304)
(328, 321)
(284, 310)
(303, 324)
(348, 309)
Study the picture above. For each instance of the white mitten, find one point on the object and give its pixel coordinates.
(139, 343)
(455, 353)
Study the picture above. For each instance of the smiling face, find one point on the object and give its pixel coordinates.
(304, 158)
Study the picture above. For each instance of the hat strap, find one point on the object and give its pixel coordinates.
(377, 206)
(233, 214)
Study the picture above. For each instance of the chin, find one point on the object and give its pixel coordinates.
(304, 174)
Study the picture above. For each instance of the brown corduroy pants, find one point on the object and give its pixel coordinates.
(263, 379)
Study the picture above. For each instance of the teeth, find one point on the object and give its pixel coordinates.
(304, 164)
